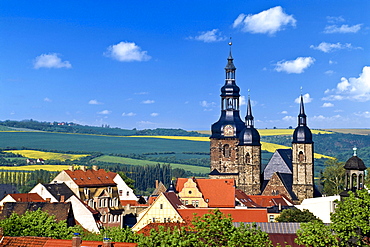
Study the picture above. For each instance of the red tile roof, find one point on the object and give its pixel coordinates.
(131, 202)
(238, 215)
(173, 199)
(284, 239)
(64, 243)
(245, 199)
(270, 201)
(219, 192)
(146, 230)
(91, 178)
(23, 241)
(27, 197)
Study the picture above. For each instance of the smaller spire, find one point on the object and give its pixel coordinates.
(355, 151)
(249, 118)
(302, 121)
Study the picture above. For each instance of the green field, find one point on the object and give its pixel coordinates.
(128, 161)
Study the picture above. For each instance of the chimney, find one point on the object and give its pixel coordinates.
(48, 199)
(95, 167)
(71, 168)
(62, 198)
(156, 184)
(83, 168)
(107, 242)
(76, 240)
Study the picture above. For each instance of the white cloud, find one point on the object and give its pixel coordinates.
(154, 114)
(332, 62)
(141, 123)
(127, 52)
(335, 19)
(329, 72)
(327, 104)
(296, 66)
(142, 93)
(47, 99)
(284, 112)
(289, 118)
(94, 102)
(51, 60)
(365, 114)
(130, 114)
(104, 112)
(342, 29)
(210, 36)
(269, 21)
(148, 101)
(330, 47)
(207, 104)
(242, 100)
(306, 99)
(357, 89)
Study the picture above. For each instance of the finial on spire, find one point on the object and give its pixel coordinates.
(230, 43)
(355, 151)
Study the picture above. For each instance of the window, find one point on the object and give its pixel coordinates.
(248, 158)
(271, 218)
(226, 151)
(120, 192)
(300, 156)
(86, 191)
(195, 203)
(153, 220)
(103, 218)
(186, 202)
(109, 190)
(160, 206)
(354, 181)
(127, 193)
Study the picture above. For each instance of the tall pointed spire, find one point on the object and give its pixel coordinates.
(249, 117)
(302, 118)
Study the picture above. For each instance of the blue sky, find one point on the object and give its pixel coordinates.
(160, 64)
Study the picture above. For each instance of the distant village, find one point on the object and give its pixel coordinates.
(237, 185)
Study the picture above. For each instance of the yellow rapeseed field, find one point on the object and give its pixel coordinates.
(35, 167)
(33, 154)
(270, 147)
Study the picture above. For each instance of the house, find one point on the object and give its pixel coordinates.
(61, 210)
(206, 193)
(86, 216)
(97, 189)
(49, 242)
(321, 207)
(22, 197)
(168, 208)
(126, 194)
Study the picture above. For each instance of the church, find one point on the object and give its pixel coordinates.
(235, 150)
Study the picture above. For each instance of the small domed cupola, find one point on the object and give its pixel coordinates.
(249, 136)
(355, 163)
(302, 134)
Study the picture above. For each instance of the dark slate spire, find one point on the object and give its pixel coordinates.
(229, 125)
(302, 134)
(249, 135)
(249, 118)
(171, 188)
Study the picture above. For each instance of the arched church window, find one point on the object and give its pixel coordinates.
(354, 180)
(226, 151)
(248, 158)
(300, 156)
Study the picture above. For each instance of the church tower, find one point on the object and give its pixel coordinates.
(225, 132)
(249, 149)
(303, 158)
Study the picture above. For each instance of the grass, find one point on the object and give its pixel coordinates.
(33, 154)
(135, 162)
(352, 131)
(35, 167)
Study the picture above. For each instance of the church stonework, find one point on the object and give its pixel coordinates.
(235, 150)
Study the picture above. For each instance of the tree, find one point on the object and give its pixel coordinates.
(333, 177)
(316, 234)
(351, 219)
(296, 215)
(37, 223)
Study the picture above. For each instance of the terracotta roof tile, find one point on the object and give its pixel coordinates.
(146, 230)
(91, 178)
(238, 215)
(219, 192)
(245, 199)
(23, 241)
(270, 201)
(27, 197)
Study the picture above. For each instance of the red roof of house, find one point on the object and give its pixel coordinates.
(219, 192)
(270, 201)
(245, 199)
(146, 230)
(48, 242)
(131, 202)
(286, 239)
(91, 178)
(27, 197)
(238, 215)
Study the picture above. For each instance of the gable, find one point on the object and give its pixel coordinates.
(279, 162)
(275, 186)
